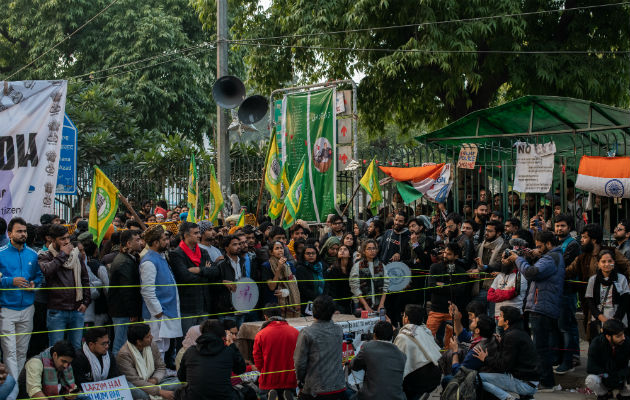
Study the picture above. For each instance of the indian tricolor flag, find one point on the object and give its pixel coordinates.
(432, 181)
(604, 176)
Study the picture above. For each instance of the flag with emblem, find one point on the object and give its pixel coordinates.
(294, 194)
(604, 176)
(193, 189)
(273, 170)
(369, 183)
(103, 205)
(275, 208)
(241, 218)
(215, 203)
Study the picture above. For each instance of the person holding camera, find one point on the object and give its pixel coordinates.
(384, 366)
(607, 365)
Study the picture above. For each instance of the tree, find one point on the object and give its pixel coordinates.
(439, 72)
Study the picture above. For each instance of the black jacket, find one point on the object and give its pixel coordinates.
(83, 372)
(127, 301)
(451, 290)
(516, 355)
(193, 299)
(221, 295)
(393, 243)
(603, 360)
(207, 368)
(306, 277)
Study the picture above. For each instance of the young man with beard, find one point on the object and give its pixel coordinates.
(585, 265)
(191, 264)
(622, 237)
(512, 226)
(480, 217)
(208, 241)
(546, 279)
(567, 324)
(19, 270)
(230, 270)
(63, 266)
(375, 231)
(489, 260)
(159, 293)
(396, 248)
(454, 235)
(607, 366)
(443, 281)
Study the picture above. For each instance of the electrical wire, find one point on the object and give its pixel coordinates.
(63, 40)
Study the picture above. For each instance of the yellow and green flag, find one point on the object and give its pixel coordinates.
(288, 221)
(193, 189)
(273, 169)
(275, 208)
(369, 182)
(103, 206)
(294, 194)
(215, 204)
(241, 218)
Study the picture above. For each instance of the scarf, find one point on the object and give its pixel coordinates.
(99, 373)
(191, 336)
(51, 378)
(323, 254)
(318, 274)
(143, 362)
(195, 256)
(600, 281)
(74, 264)
(284, 273)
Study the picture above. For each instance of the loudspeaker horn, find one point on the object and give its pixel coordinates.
(228, 92)
(253, 109)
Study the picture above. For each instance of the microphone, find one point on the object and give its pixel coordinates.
(518, 242)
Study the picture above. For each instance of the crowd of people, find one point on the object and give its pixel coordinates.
(491, 303)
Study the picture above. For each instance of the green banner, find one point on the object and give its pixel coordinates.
(309, 129)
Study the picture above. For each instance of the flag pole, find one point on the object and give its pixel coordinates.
(131, 210)
(260, 192)
(350, 201)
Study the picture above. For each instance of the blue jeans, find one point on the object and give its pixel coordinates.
(59, 320)
(501, 385)
(9, 386)
(541, 327)
(120, 332)
(569, 329)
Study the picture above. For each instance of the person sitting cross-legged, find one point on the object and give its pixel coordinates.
(513, 365)
(140, 361)
(94, 362)
(607, 366)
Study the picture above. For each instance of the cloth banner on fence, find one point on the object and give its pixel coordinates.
(604, 176)
(534, 167)
(432, 181)
(309, 126)
(110, 389)
(31, 117)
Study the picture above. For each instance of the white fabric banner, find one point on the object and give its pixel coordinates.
(534, 167)
(31, 119)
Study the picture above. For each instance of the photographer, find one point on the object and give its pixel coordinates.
(508, 287)
(607, 366)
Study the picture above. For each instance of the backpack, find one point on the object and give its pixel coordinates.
(464, 386)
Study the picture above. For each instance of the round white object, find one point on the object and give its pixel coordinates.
(246, 295)
(399, 276)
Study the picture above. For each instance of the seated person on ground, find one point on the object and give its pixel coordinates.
(607, 365)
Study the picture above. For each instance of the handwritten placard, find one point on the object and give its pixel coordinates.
(467, 156)
(111, 389)
(534, 167)
(245, 297)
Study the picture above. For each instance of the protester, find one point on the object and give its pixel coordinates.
(513, 365)
(140, 361)
(543, 303)
(94, 362)
(367, 279)
(281, 282)
(124, 298)
(318, 355)
(19, 269)
(49, 374)
(310, 275)
(508, 288)
(207, 365)
(607, 366)
(230, 270)
(191, 338)
(159, 294)
(337, 277)
(622, 237)
(384, 366)
(274, 346)
(63, 267)
(395, 243)
(415, 341)
(328, 252)
(488, 260)
(209, 240)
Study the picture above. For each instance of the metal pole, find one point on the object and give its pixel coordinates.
(223, 137)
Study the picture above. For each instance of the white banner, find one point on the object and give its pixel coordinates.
(534, 167)
(31, 119)
(110, 389)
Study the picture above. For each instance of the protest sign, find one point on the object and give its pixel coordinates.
(534, 167)
(31, 116)
(111, 389)
(467, 156)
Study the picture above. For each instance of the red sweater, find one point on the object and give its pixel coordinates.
(273, 351)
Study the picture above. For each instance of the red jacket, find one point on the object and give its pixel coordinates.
(273, 351)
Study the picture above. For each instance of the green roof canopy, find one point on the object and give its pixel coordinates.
(568, 120)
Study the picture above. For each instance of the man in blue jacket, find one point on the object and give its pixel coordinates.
(20, 269)
(544, 299)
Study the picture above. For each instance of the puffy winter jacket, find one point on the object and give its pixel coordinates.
(15, 263)
(273, 351)
(547, 281)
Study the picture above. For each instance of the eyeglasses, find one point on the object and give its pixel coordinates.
(619, 229)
